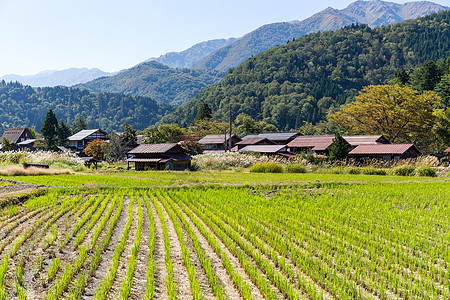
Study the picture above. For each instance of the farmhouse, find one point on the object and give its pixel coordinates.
(356, 140)
(253, 141)
(279, 138)
(317, 144)
(159, 157)
(81, 139)
(268, 150)
(385, 151)
(16, 136)
(218, 142)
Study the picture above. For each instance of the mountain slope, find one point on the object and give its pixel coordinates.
(188, 57)
(157, 81)
(374, 13)
(25, 106)
(305, 79)
(66, 77)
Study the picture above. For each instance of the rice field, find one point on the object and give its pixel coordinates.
(336, 241)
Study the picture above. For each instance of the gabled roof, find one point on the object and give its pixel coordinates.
(313, 142)
(356, 140)
(263, 148)
(383, 149)
(216, 139)
(154, 148)
(83, 134)
(13, 134)
(273, 136)
(255, 141)
(26, 142)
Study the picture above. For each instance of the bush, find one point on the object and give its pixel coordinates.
(373, 171)
(403, 171)
(266, 168)
(295, 168)
(337, 170)
(353, 170)
(425, 171)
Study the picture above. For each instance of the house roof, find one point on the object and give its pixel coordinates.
(273, 136)
(26, 142)
(262, 148)
(383, 149)
(215, 139)
(356, 140)
(13, 134)
(153, 148)
(83, 134)
(447, 150)
(254, 141)
(314, 142)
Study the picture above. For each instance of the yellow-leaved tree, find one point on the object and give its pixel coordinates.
(399, 113)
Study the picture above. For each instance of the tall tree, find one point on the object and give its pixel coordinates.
(426, 76)
(204, 112)
(399, 113)
(63, 131)
(49, 130)
(338, 149)
(128, 136)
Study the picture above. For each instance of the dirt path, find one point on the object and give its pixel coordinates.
(230, 290)
(179, 269)
(140, 273)
(159, 257)
(107, 255)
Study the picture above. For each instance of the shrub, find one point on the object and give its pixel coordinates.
(425, 171)
(353, 170)
(373, 171)
(337, 170)
(403, 171)
(295, 168)
(266, 168)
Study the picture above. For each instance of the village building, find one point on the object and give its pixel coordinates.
(356, 140)
(159, 157)
(385, 151)
(218, 142)
(16, 136)
(279, 138)
(81, 139)
(270, 150)
(253, 141)
(315, 144)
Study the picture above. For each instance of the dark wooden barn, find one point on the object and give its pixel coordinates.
(159, 157)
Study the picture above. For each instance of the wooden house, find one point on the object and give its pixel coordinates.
(279, 138)
(159, 157)
(253, 141)
(385, 151)
(356, 140)
(81, 139)
(218, 142)
(16, 136)
(280, 150)
(316, 144)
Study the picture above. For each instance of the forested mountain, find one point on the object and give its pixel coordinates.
(188, 57)
(157, 81)
(305, 79)
(25, 106)
(66, 77)
(374, 13)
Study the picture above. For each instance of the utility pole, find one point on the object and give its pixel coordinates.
(230, 128)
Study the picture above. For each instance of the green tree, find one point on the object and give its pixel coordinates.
(426, 76)
(443, 90)
(63, 132)
(204, 112)
(6, 145)
(166, 133)
(129, 136)
(338, 149)
(49, 130)
(399, 113)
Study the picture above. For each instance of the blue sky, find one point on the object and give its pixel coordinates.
(113, 35)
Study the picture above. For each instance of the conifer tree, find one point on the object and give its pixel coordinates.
(204, 112)
(339, 149)
(50, 130)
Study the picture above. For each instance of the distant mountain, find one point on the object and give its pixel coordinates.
(375, 13)
(157, 81)
(66, 77)
(306, 79)
(187, 58)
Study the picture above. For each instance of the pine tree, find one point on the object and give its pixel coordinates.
(339, 149)
(49, 130)
(63, 132)
(204, 112)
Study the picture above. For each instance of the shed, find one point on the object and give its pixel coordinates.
(159, 157)
(385, 151)
(268, 150)
(218, 142)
